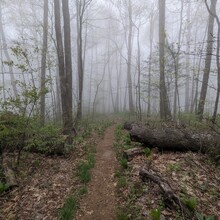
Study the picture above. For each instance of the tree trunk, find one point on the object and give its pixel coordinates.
(68, 124)
(43, 62)
(150, 66)
(187, 82)
(79, 63)
(171, 139)
(62, 72)
(208, 59)
(164, 106)
(217, 61)
(4, 43)
(129, 78)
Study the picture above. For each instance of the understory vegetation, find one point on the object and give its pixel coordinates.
(40, 158)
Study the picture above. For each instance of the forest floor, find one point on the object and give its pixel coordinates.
(114, 192)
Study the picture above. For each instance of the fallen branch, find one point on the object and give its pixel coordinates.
(169, 195)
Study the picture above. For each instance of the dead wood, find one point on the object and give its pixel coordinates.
(133, 152)
(9, 173)
(170, 197)
(170, 138)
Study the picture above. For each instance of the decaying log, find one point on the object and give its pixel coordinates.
(170, 197)
(9, 173)
(133, 152)
(169, 138)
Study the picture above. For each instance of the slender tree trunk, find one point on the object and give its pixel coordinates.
(129, 78)
(4, 43)
(187, 82)
(213, 13)
(206, 72)
(139, 77)
(150, 67)
(3, 77)
(164, 106)
(43, 62)
(79, 58)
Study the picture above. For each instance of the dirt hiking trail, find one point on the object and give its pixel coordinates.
(99, 203)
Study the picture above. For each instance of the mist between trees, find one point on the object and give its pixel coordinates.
(67, 59)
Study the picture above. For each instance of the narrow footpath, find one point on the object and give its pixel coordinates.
(100, 202)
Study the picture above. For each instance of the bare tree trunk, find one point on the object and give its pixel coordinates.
(139, 77)
(187, 97)
(150, 66)
(4, 43)
(197, 75)
(79, 59)
(68, 63)
(3, 78)
(43, 62)
(64, 87)
(206, 72)
(164, 106)
(213, 13)
(129, 78)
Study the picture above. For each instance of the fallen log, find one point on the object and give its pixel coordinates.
(170, 197)
(133, 152)
(166, 138)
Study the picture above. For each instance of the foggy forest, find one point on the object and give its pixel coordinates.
(109, 109)
(124, 56)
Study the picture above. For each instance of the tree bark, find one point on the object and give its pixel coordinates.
(171, 139)
(62, 71)
(68, 65)
(217, 62)
(164, 103)
(43, 62)
(129, 79)
(13, 81)
(208, 59)
(187, 82)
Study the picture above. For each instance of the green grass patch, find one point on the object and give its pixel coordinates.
(84, 172)
(69, 208)
(124, 163)
(122, 183)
